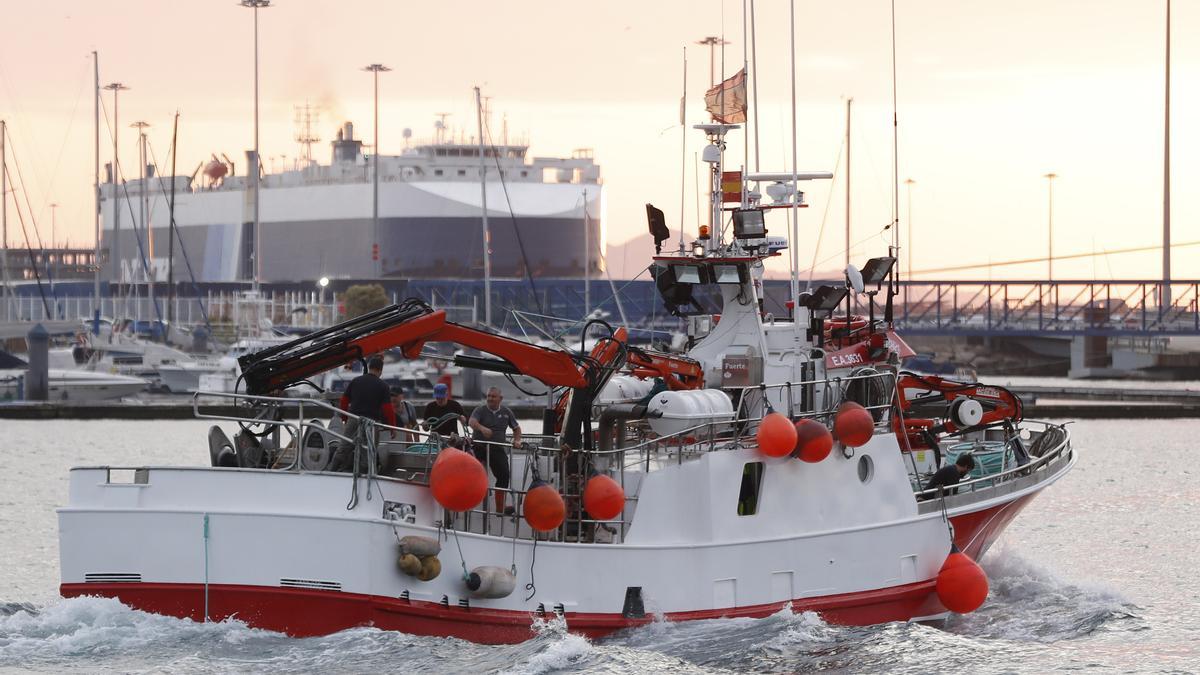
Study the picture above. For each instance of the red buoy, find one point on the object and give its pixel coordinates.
(603, 497)
(544, 507)
(776, 435)
(853, 425)
(813, 441)
(962, 585)
(458, 480)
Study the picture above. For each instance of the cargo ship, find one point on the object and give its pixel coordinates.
(317, 220)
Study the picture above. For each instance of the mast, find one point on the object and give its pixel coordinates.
(114, 248)
(795, 239)
(587, 259)
(171, 230)
(1165, 301)
(848, 102)
(96, 195)
(754, 82)
(376, 261)
(487, 255)
(895, 247)
(144, 213)
(745, 73)
(4, 217)
(683, 152)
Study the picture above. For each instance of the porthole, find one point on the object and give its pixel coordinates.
(866, 469)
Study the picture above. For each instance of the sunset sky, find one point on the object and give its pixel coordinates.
(992, 96)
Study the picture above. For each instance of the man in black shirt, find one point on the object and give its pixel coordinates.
(443, 405)
(366, 396)
(951, 473)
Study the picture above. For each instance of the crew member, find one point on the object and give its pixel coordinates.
(491, 423)
(951, 473)
(441, 406)
(366, 397)
(405, 411)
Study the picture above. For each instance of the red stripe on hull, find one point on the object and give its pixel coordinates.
(304, 612)
(975, 532)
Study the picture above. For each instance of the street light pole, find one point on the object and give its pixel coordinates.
(114, 253)
(376, 262)
(1050, 225)
(254, 172)
(712, 41)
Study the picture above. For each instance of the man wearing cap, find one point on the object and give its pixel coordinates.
(443, 405)
(367, 396)
(491, 423)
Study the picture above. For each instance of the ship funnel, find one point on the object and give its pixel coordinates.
(348, 131)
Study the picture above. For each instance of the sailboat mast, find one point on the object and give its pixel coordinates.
(487, 254)
(587, 259)
(4, 217)
(96, 194)
(1165, 301)
(171, 229)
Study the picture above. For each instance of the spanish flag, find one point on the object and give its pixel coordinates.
(731, 186)
(727, 101)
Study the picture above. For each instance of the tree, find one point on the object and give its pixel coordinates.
(363, 298)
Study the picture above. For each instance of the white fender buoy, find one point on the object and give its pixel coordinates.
(491, 582)
(420, 546)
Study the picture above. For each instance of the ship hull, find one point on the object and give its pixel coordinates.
(283, 553)
(426, 230)
(310, 612)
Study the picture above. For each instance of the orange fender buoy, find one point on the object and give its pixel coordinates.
(813, 441)
(458, 480)
(962, 585)
(853, 425)
(603, 497)
(776, 435)
(544, 507)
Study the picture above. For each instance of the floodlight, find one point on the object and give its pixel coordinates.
(877, 269)
(749, 224)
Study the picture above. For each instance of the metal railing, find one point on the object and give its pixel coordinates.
(409, 455)
(1060, 450)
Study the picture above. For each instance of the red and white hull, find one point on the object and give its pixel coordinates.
(283, 553)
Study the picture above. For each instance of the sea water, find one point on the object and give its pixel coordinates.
(1097, 574)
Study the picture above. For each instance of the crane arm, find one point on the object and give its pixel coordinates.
(999, 404)
(409, 326)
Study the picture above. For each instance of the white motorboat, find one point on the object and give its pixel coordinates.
(75, 385)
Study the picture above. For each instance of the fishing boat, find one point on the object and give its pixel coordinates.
(779, 461)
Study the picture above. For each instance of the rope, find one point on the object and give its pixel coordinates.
(532, 585)
(206, 568)
(461, 559)
(365, 424)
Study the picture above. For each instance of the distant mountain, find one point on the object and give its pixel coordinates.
(627, 259)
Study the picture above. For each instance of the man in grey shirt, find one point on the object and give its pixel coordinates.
(491, 423)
